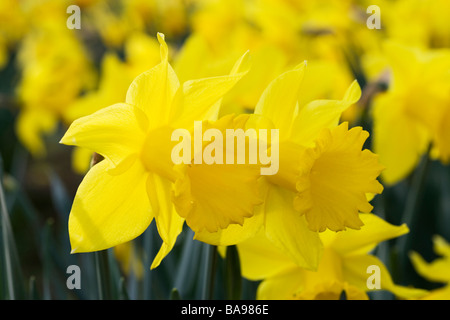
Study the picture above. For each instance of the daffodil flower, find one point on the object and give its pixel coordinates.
(324, 175)
(344, 266)
(437, 270)
(414, 112)
(55, 70)
(119, 197)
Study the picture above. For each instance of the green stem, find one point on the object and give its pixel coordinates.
(411, 206)
(7, 256)
(210, 272)
(103, 275)
(233, 277)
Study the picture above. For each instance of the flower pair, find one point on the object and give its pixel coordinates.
(323, 182)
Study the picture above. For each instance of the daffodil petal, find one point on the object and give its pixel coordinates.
(282, 286)
(397, 139)
(279, 101)
(31, 125)
(109, 209)
(374, 231)
(260, 258)
(436, 270)
(289, 231)
(81, 159)
(114, 132)
(200, 99)
(320, 114)
(168, 222)
(153, 90)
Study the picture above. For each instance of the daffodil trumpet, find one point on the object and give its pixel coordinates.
(235, 147)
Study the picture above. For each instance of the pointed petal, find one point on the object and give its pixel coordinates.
(200, 99)
(436, 270)
(279, 101)
(153, 90)
(320, 114)
(115, 132)
(109, 209)
(168, 222)
(374, 231)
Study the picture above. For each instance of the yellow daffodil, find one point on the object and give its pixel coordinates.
(129, 259)
(343, 267)
(428, 29)
(12, 28)
(437, 270)
(413, 112)
(135, 180)
(55, 69)
(323, 178)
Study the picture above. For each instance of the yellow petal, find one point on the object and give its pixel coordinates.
(115, 132)
(109, 209)
(279, 101)
(282, 286)
(397, 139)
(81, 159)
(153, 90)
(441, 246)
(335, 177)
(436, 270)
(31, 125)
(168, 222)
(289, 231)
(261, 259)
(374, 231)
(234, 233)
(320, 114)
(200, 99)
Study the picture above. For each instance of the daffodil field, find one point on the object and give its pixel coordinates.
(225, 150)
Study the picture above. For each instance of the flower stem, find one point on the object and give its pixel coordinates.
(210, 272)
(7, 256)
(412, 202)
(233, 278)
(103, 275)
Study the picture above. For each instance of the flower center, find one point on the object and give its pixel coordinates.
(156, 152)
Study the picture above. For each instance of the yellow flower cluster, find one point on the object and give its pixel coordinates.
(313, 71)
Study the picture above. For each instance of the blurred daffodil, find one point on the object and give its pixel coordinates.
(343, 267)
(55, 69)
(136, 177)
(437, 270)
(413, 112)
